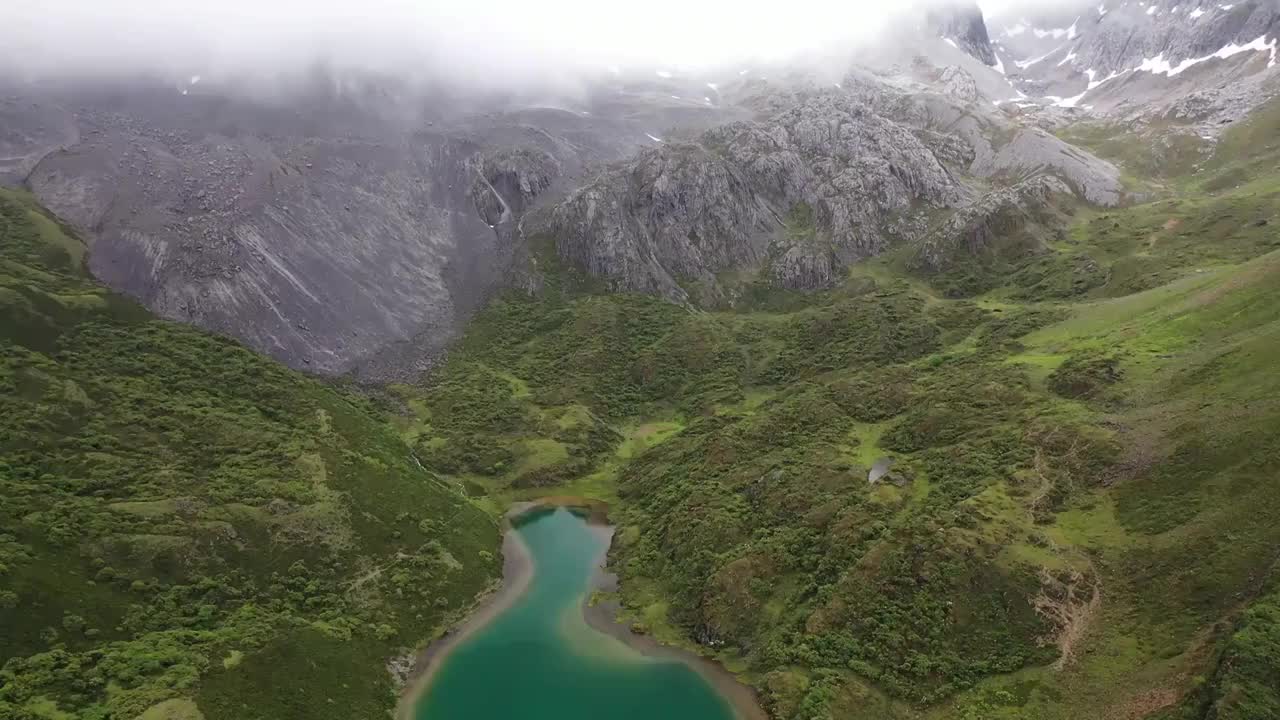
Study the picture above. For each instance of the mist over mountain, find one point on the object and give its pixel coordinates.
(501, 45)
(921, 356)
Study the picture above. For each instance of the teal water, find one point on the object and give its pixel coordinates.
(539, 660)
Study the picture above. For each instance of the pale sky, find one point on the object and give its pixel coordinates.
(495, 41)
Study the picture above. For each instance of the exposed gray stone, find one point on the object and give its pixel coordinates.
(1008, 216)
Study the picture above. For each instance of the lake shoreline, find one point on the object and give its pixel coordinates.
(602, 617)
(517, 572)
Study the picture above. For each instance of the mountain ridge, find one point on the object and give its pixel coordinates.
(913, 396)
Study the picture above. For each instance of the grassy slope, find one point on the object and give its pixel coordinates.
(1077, 522)
(184, 520)
(1082, 501)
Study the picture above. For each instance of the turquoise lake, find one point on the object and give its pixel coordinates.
(539, 660)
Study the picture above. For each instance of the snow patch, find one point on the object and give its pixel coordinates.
(1159, 66)
(655, 139)
(1196, 13)
(1156, 65)
(662, 74)
(1056, 33)
(1016, 30)
(1093, 83)
(195, 79)
(999, 66)
(951, 42)
(1066, 102)
(1071, 55)
(1028, 63)
(713, 86)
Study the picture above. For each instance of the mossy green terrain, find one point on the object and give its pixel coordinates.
(189, 530)
(1080, 516)
(1079, 519)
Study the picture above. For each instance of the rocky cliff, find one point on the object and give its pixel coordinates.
(962, 23)
(1126, 56)
(800, 193)
(354, 227)
(339, 228)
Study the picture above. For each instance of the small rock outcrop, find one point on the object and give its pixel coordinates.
(1008, 221)
(959, 84)
(508, 180)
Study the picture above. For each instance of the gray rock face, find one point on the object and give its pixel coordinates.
(29, 130)
(811, 189)
(1005, 221)
(281, 241)
(337, 231)
(677, 212)
(1128, 34)
(828, 177)
(1093, 179)
(806, 266)
(859, 170)
(963, 24)
(507, 181)
(354, 228)
(959, 84)
(992, 147)
(1137, 57)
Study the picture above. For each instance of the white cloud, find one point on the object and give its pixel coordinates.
(485, 43)
(514, 39)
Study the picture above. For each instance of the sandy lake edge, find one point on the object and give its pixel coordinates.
(517, 572)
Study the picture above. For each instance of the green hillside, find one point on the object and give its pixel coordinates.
(188, 529)
(1079, 519)
(1080, 516)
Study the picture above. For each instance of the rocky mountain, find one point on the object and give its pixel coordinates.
(1003, 222)
(935, 383)
(345, 226)
(355, 228)
(1126, 57)
(839, 175)
(355, 224)
(962, 24)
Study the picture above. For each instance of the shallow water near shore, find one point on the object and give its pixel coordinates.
(538, 659)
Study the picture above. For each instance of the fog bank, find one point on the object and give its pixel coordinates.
(492, 44)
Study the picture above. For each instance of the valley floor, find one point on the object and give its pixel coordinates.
(1080, 516)
(1079, 519)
